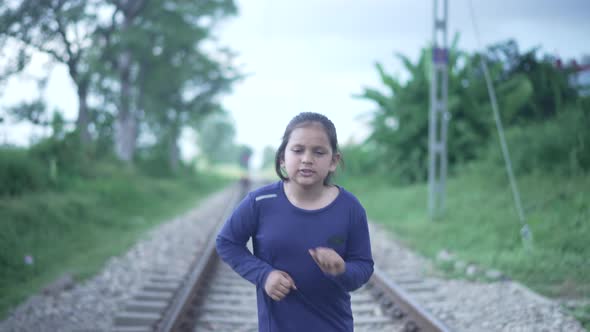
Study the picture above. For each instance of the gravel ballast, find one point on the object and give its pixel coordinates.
(462, 305)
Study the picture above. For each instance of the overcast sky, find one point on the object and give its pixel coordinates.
(313, 55)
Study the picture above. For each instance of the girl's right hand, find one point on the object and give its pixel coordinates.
(278, 284)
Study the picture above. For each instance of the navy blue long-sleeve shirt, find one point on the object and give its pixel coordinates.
(281, 236)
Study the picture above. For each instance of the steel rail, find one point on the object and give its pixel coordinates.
(423, 320)
(181, 303)
(391, 295)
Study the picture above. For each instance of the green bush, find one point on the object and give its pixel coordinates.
(77, 228)
(559, 145)
(20, 173)
(481, 225)
(358, 160)
(153, 162)
(67, 155)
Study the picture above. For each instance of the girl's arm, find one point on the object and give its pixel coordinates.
(231, 244)
(358, 258)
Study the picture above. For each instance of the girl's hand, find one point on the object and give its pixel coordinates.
(278, 284)
(328, 260)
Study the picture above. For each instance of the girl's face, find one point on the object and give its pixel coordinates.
(308, 156)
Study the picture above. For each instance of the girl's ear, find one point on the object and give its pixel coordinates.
(283, 168)
(335, 160)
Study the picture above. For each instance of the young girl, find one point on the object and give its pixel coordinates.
(310, 238)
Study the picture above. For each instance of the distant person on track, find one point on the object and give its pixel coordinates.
(310, 237)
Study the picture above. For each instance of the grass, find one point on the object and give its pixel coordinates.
(77, 228)
(481, 225)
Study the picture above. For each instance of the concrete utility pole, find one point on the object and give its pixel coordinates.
(439, 115)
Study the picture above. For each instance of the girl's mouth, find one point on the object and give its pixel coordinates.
(306, 172)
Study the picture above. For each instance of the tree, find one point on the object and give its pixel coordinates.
(61, 29)
(548, 89)
(162, 72)
(185, 98)
(193, 79)
(116, 39)
(153, 67)
(400, 122)
(216, 139)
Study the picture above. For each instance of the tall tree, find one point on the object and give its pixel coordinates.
(60, 28)
(181, 78)
(163, 73)
(119, 53)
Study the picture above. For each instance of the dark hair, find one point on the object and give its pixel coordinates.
(302, 120)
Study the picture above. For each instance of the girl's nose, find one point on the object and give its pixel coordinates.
(307, 158)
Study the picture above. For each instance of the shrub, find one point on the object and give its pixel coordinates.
(20, 173)
(67, 154)
(358, 160)
(559, 145)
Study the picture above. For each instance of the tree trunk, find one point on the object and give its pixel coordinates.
(125, 136)
(173, 149)
(83, 116)
(126, 122)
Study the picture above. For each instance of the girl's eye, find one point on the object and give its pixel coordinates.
(320, 153)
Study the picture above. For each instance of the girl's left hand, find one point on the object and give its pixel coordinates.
(328, 260)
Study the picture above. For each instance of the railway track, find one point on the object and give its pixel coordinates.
(211, 297)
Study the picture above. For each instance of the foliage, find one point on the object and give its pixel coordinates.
(153, 161)
(33, 112)
(60, 29)
(216, 140)
(561, 145)
(547, 90)
(64, 154)
(156, 71)
(19, 173)
(400, 123)
(359, 160)
(193, 77)
(268, 157)
(48, 164)
(103, 131)
(78, 228)
(154, 68)
(481, 224)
